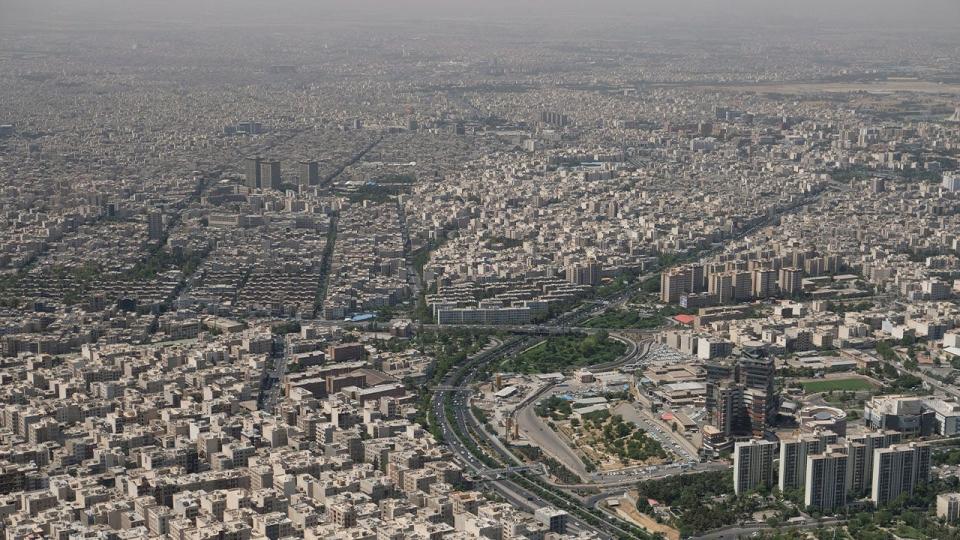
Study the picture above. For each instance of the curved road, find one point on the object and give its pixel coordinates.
(509, 490)
(481, 451)
(548, 440)
(455, 387)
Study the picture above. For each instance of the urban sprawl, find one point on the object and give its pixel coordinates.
(402, 284)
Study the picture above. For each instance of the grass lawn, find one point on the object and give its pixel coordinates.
(564, 353)
(849, 385)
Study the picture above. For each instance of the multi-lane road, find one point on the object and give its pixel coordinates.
(274, 371)
(545, 438)
(479, 450)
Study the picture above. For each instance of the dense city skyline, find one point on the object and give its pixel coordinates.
(446, 270)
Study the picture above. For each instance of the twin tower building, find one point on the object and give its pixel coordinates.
(265, 174)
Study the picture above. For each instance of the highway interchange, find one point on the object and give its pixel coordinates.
(480, 451)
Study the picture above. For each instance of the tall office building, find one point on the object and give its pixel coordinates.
(860, 450)
(752, 465)
(833, 263)
(155, 225)
(758, 373)
(740, 397)
(793, 457)
(721, 286)
(554, 118)
(253, 172)
(825, 485)
(696, 278)
(725, 408)
(758, 376)
(309, 173)
(790, 281)
(759, 408)
(673, 283)
(718, 398)
(742, 285)
(898, 469)
(796, 259)
(584, 274)
(816, 266)
(270, 174)
(764, 283)
(678, 281)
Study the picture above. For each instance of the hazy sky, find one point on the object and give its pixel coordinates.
(905, 13)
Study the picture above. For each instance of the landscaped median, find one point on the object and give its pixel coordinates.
(564, 353)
